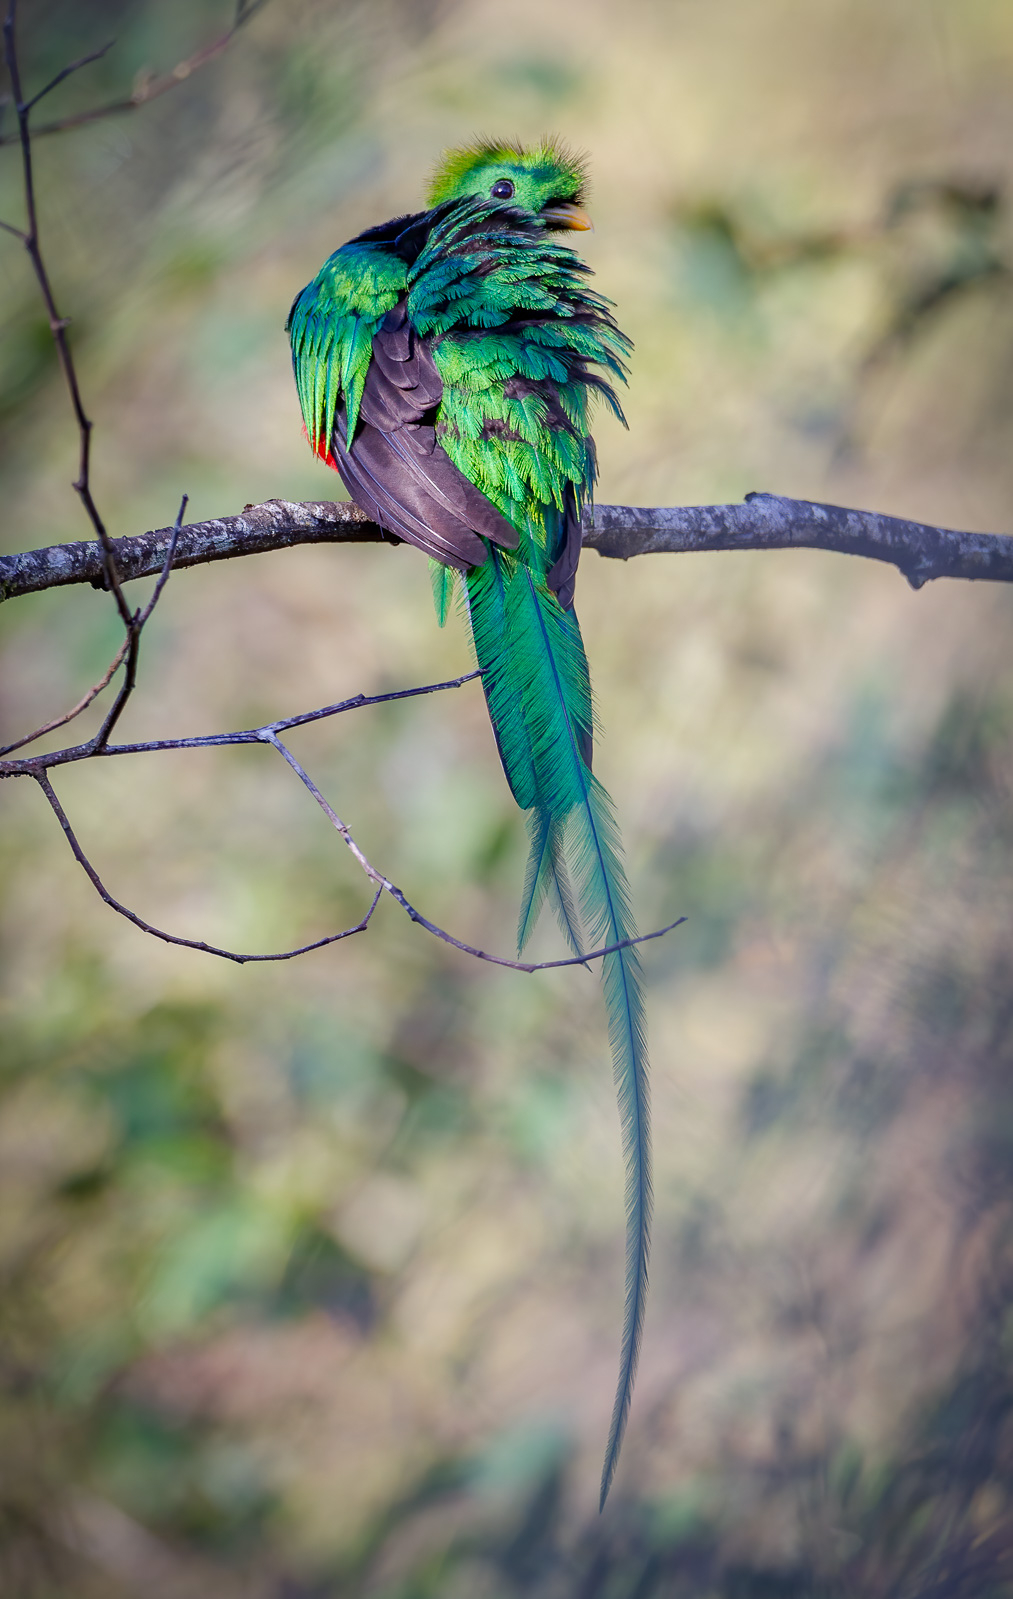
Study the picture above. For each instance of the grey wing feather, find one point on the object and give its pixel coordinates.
(562, 575)
(394, 467)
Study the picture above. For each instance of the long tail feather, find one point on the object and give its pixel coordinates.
(486, 588)
(535, 674)
(628, 1038)
(546, 877)
(594, 853)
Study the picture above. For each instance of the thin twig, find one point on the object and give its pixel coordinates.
(385, 884)
(82, 705)
(135, 626)
(171, 938)
(531, 966)
(39, 768)
(416, 915)
(163, 576)
(359, 700)
(57, 324)
(392, 889)
(65, 72)
(130, 644)
(30, 766)
(148, 86)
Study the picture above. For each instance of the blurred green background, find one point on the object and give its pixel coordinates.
(312, 1274)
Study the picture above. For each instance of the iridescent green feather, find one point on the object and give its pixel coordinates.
(331, 325)
(565, 171)
(444, 581)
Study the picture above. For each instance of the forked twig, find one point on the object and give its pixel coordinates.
(66, 72)
(392, 889)
(40, 766)
(148, 86)
(382, 885)
(42, 778)
(57, 324)
(135, 627)
(29, 766)
(82, 705)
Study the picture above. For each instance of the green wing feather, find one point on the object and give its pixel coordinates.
(331, 326)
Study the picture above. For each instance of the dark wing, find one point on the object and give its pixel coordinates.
(562, 575)
(395, 469)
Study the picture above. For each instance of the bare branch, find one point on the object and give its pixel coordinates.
(381, 885)
(135, 627)
(74, 66)
(57, 324)
(129, 649)
(148, 85)
(772, 522)
(30, 766)
(171, 938)
(82, 705)
(761, 522)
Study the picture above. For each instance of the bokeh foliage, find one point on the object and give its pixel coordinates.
(311, 1275)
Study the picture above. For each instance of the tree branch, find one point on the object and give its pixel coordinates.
(42, 778)
(762, 522)
(272, 526)
(148, 86)
(75, 710)
(40, 766)
(771, 522)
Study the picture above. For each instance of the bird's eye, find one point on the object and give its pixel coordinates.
(503, 189)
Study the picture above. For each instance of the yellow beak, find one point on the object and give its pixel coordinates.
(568, 216)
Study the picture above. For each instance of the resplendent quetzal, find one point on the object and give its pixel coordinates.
(446, 362)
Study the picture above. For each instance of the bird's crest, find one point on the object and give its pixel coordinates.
(566, 169)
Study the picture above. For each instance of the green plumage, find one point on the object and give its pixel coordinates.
(332, 326)
(516, 345)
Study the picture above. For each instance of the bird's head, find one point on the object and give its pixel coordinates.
(548, 180)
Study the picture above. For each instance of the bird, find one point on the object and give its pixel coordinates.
(446, 364)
